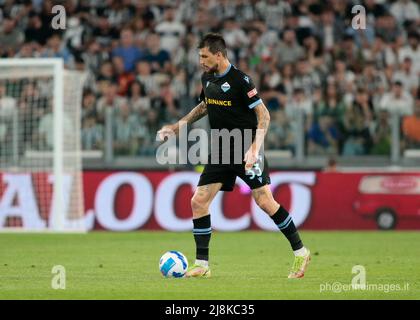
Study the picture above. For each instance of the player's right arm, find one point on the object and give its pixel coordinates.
(195, 114)
(198, 112)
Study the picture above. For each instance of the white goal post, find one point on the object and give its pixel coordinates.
(41, 187)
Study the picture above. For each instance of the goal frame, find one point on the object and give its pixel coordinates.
(57, 221)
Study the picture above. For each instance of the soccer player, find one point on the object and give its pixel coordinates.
(231, 101)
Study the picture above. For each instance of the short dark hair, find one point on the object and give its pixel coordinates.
(215, 43)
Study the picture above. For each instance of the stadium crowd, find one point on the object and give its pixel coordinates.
(142, 64)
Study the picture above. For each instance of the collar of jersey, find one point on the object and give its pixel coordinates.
(224, 73)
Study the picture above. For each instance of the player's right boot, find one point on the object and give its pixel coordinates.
(299, 266)
(197, 271)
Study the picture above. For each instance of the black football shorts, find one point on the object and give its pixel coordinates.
(226, 174)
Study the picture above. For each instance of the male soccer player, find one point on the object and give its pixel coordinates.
(231, 101)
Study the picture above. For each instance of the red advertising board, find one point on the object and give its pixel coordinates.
(160, 200)
(316, 200)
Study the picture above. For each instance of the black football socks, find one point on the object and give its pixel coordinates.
(202, 234)
(284, 222)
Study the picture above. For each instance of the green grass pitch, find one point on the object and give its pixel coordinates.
(245, 265)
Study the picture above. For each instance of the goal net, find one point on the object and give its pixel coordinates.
(40, 154)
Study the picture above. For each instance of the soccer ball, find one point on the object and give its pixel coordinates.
(173, 264)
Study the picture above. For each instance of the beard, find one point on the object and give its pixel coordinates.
(213, 69)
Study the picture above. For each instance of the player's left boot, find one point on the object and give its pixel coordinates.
(198, 271)
(299, 266)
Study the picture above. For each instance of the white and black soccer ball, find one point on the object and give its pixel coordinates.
(173, 264)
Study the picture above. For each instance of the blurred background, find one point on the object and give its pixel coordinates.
(343, 145)
(335, 94)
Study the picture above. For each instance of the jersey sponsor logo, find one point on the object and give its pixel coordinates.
(252, 93)
(225, 87)
(225, 103)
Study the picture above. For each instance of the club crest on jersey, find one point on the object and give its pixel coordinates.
(225, 87)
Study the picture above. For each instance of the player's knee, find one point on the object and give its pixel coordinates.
(199, 205)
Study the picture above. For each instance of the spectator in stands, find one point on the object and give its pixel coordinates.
(350, 53)
(166, 103)
(323, 136)
(7, 103)
(287, 72)
(170, 30)
(314, 52)
(274, 12)
(377, 52)
(405, 10)
(149, 142)
(356, 135)
(300, 103)
(374, 9)
(124, 78)
(104, 77)
(56, 48)
(280, 135)
(109, 101)
(411, 127)
(74, 35)
(88, 104)
(104, 32)
(331, 165)
(10, 36)
(411, 50)
(43, 137)
(371, 78)
(362, 37)
(306, 77)
(126, 127)
(150, 81)
(158, 58)
(139, 101)
(254, 53)
(398, 100)
(178, 84)
(235, 37)
(92, 132)
(332, 105)
(381, 136)
(342, 75)
(407, 76)
(36, 31)
(273, 94)
(129, 53)
(28, 50)
(330, 29)
(387, 27)
(94, 57)
(288, 50)
(363, 106)
(156, 44)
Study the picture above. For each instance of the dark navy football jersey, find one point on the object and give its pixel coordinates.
(230, 98)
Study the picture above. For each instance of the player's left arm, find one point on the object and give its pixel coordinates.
(263, 118)
(253, 101)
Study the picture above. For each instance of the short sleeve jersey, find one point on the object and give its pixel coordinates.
(230, 98)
